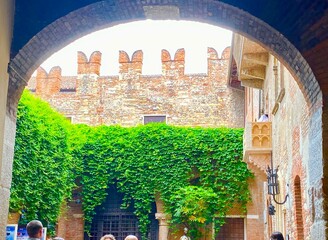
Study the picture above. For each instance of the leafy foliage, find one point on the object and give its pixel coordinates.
(42, 168)
(198, 172)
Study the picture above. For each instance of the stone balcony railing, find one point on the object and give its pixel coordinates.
(258, 143)
(257, 135)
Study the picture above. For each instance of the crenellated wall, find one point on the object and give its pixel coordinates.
(185, 99)
(48, 83)
(301, 48)
(91, 66)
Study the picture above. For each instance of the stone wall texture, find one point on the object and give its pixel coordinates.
(185, 99)
(292, 152)
(206, 99)
(7, 124)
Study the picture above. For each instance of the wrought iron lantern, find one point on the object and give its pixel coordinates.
(273, 183)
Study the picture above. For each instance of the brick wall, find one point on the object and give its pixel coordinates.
(71, 223)
(186, 99)
(289, 115)
(95, 16)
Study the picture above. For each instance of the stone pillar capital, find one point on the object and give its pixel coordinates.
(162, 218)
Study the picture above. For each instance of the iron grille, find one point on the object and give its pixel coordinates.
(111, 219)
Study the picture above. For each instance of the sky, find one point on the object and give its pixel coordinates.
(149, 36)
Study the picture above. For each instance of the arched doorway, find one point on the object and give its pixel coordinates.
(110, 218)
(95, 16)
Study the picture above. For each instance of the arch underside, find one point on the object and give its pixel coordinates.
(104, 14)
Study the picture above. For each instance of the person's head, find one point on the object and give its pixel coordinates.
(58, 238)
(277, 236)
(108, 237)
(131, 237)
(34, 229)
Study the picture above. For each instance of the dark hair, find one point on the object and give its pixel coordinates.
(33, 228)
(277, 236)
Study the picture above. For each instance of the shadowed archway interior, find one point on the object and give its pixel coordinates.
(295, 32)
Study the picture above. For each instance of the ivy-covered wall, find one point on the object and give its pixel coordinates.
(43, 168)
(197, 172)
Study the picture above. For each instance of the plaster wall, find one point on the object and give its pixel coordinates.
(6, 26)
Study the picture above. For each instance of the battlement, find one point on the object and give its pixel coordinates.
(49, 83)
(133, 66)
(88, 67)
(203, 99)
(173, 68)
(170, 66)
(129, 69)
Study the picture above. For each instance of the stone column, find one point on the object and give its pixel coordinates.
(7, 124)
(7, 143)
(163, 226)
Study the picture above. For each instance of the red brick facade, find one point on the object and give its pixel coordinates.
(298, 39)
(185, 99)
(199, 100)
(208, 100)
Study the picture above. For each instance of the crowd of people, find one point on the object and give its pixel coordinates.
(34, 231)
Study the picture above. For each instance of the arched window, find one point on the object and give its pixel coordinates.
(298, 208)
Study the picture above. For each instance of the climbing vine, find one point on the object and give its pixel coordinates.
(198, 173)
(42, 168)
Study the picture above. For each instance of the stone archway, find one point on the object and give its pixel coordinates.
(106, 13)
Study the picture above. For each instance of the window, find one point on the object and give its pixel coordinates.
(233, 229)
(154, 118)
(67, 90)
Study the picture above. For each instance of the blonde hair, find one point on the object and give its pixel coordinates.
(108, 236)
(131, 237)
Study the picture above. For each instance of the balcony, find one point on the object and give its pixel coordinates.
(251, 60)
(258, 143)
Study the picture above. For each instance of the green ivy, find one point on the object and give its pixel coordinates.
(188, 167)
(197, 172)
(42, 168)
